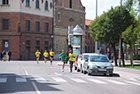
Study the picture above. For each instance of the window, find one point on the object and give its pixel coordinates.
(37, 3)
(27, 25)
(27, 43)
(27, 3)
(58, 16)
(37, 45)
(5, 2)
(46, 45)
(37, 26)
(70, 3)
(46, 27)
(5, 24)
(46, 5)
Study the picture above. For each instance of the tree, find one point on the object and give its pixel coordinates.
(130, 37)
(108, 27)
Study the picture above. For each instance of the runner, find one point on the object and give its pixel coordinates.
(37, 53)
(45, 56)
(71, 59)
(51, 56)
(67, 59)
(63, 57)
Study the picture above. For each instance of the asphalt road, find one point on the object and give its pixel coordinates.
(28, 77)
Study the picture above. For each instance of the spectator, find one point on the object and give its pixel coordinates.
(9, 54)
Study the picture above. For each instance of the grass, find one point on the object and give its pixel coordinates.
(136, 66)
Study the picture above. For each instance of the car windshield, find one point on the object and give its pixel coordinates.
(98, 59)
(85, 56)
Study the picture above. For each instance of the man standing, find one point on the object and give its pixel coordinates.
(71, 59)
(45, 56)
(51, 56)
(63, 57)
(9, 54)
(37, 53)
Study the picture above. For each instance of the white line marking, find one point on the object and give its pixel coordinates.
(3, 79)
(40, 79)
(58, 79)
(57, 74)
(26, 71)
(36, 89)
(97, 81)
(78, 80)
(133, 79)
(21, 79)
(133, 83)
(116, 82)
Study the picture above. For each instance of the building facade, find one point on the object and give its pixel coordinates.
(67, 13)
(25, 26)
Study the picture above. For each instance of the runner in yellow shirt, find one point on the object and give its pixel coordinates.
(51, 56)
(37, 53)
(45, 56)
(71, 59)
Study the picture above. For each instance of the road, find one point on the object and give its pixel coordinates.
(28, 77)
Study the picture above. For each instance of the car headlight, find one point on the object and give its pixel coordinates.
(109, 67)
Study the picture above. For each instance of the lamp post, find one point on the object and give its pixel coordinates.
(96, 16)
(52, 41)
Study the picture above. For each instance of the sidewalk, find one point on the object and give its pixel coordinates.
(128, 62)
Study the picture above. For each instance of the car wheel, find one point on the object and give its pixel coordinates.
(78, 70)
(111, 74)
(104, 74)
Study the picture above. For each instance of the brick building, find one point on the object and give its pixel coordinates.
(67, 13)
(25, 25)
(90, 43)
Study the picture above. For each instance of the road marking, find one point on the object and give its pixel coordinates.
(57, 74)
(133, 83)
(36, 89)
(78, 80)
(97, 81)
(133, 79)
(3, 79)
(26, 71)
(116, 82)
(40, 79)
(58, 79)
(21, 79)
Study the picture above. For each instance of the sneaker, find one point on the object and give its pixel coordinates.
(62, 70)
(70, 71)
(37, 62)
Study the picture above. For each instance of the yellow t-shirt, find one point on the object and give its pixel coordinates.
(51, 53)
(37, 54)
(71, 56)
(45, 54)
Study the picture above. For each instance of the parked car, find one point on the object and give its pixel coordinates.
(81, 60)
(97, 64)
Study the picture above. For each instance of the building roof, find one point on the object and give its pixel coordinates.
(88, 22)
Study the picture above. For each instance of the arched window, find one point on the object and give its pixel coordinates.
(46, 5)
(37, 3)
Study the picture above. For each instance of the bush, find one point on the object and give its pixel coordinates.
(136, 57)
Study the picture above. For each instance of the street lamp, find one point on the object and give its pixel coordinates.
(96, 16)
(52, 41)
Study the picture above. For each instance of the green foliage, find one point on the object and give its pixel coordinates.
(107, 27)
(136, 57)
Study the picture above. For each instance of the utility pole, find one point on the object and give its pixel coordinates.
(96, 16)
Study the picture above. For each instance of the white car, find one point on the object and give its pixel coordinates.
(81, 60)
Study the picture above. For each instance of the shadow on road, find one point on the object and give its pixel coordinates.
(99, 75)
(11, 85)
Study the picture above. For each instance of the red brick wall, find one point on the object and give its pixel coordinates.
(13, 36)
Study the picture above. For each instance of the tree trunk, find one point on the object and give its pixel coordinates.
(120, 38)
(114, 50)
(131, 55)
(122, 55)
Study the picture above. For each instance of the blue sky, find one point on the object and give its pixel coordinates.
(103, 5)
